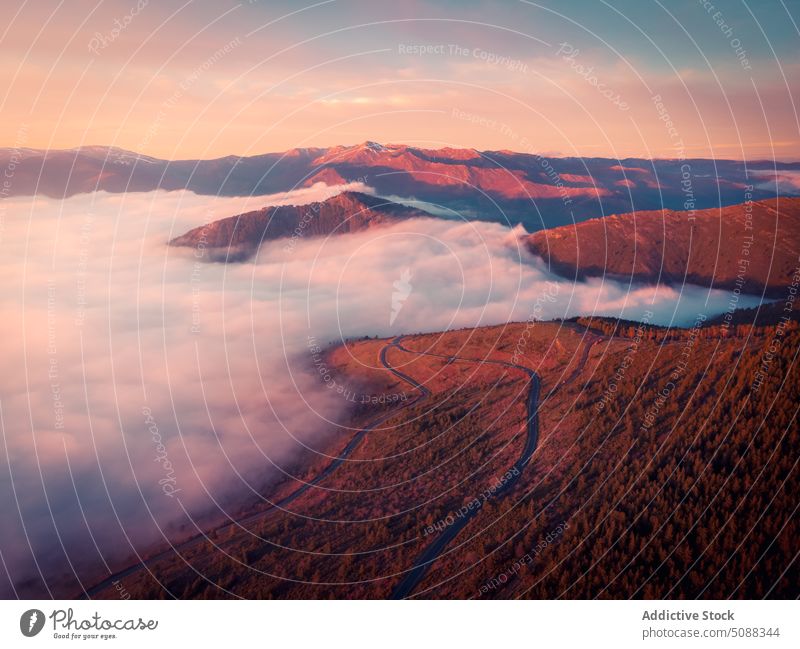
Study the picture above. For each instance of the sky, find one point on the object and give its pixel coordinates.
(188, 80)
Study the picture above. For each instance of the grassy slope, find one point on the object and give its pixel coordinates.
(701, 503)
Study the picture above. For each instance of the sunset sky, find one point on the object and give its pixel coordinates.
(186, 80)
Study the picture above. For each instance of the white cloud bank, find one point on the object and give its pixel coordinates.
(140, 381)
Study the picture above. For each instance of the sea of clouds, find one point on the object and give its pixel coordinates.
(144, 387)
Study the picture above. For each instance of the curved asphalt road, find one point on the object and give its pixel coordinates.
(434, 550)
(423, 562)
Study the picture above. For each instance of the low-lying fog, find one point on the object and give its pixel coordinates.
(141, 383)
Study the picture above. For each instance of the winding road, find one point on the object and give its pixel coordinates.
(426, 558)
(423, 562)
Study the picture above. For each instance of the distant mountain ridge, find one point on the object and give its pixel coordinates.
(237, 237)
(500, 186)
(754, 247)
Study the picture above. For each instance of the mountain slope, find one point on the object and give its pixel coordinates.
(753, 246)
(697, 501)
(237, 237)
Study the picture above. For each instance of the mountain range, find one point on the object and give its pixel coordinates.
(617, 486)
(503, 186)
